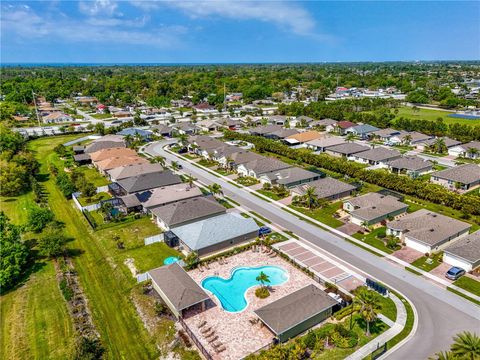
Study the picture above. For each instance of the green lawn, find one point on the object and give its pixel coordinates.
(94, 199)
(432, 115)
(246, 180)
(206, 163)
(469, 284)
(105, 281)
(93, 176)
(428, 263)
(102, 116)
(388, 308)
(372, 239)
(324, 215)
(34, 320)
(16, 207)
(271, 194)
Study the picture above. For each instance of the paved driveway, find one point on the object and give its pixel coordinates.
(407, 254)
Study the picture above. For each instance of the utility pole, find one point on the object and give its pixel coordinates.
(36, 109)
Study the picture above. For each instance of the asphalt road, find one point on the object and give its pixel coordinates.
(441, 314)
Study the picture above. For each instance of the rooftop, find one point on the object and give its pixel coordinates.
(211, 231)
(180, 289)
(112, 152)
(305, 136)
(184, 211)
(465, 174)
(378, 154)
(412, 163)
(149, 181)
(127, 171)
(292, 309)
(467, 248)
(167, 194)
(348, 148)
(374, 205)
(326, 187)
(428, 227)
(263, 165)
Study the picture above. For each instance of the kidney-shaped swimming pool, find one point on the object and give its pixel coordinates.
(231, 292)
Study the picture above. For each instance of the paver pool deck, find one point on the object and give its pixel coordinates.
(239, 336)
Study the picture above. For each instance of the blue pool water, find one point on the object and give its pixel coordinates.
(231, 292)
(170, 260)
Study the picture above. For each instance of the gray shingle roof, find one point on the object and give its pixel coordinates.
(149, 181)
(263, 165)
(374, 205)
(378, 154)
(101, 145)
(291, 175)
(168, 194)
(326, 142)
(184, 211)
(127, 171)
(465, 174)
(211, 231)
(363, 129)
(348, 148)
(292, 309)
(467, 248)
(180, 289)
(412, 163)
(428, 227)
(326, 187)
(267, 129)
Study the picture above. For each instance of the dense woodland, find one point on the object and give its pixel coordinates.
(157, 85)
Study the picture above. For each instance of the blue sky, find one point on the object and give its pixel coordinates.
(238, 31)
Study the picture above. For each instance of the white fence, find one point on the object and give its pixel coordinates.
(153, 239)
(143, 277)
(91, 207)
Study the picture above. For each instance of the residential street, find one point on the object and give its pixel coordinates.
(441, 314)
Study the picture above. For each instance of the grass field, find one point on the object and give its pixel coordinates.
(31, 329)
(42, 331)
(423, 264)
(92, 175)
(432, 115)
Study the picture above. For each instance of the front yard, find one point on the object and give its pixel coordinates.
(246, 180)
(324, 215)
(469, 284)
(428, 263)
(375, 238)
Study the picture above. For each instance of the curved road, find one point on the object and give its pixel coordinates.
(441, 314)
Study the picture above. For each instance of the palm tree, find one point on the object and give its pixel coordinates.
(367, 304)
(443, 355)
(263, 278)
(466, 346)
(350, 137)
(190, 181)
(228, 162)
(183, 139)
(311, 196)
(472, 152)
(128, 139)
(407, 139)
(215, 189)
(159, 160)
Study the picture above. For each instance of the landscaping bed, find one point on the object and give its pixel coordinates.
(246, 180)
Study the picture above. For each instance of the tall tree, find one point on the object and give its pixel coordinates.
(367, 303)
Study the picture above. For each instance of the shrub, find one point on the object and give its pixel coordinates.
(262, 292)
(310, 340)
(66, 290)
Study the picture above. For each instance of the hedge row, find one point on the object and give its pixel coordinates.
(414, 187)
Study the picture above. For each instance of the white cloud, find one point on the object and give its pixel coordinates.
(288, 15)
(24, 24)
(98, 7)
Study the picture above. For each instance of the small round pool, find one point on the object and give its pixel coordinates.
(170, 260)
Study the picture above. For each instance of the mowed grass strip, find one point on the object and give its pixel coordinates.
(35, 323)
(106, 286)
